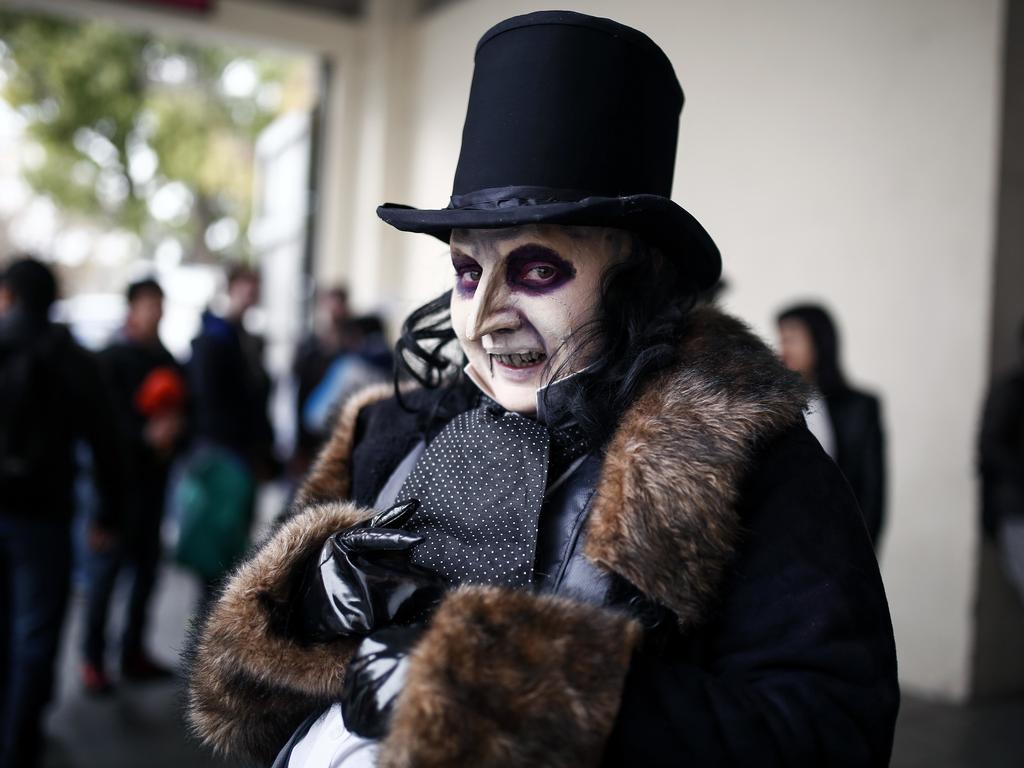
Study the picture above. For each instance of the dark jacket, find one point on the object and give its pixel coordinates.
(52, 396)
(1002, 451)
(312, 360)
(860, 451)
(855, 416)
(125, 364)
(231, 390)
(741, 620)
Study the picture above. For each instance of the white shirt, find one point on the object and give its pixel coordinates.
(820, 424)
(329, 744)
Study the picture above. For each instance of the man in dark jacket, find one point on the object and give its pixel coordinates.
(229, 385)
(51, 396)
(141, 376)
(230, 393)
(1002, 448)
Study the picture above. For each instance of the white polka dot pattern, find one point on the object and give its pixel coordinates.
(481, 485)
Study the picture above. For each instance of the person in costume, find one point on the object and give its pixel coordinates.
(605, 535)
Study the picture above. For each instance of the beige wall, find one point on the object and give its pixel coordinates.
(842, 151)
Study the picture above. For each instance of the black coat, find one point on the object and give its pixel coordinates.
(751, 626)
(230, 390)
(125, 364)
(860, 451)
(1001, 446)
(52, 396)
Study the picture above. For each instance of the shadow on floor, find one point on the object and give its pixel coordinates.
(139, 724)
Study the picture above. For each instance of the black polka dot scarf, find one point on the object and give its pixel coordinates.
(481, 484)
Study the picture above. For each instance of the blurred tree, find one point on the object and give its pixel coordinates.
(138, 132)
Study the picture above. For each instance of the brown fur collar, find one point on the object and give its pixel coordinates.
(665, 513)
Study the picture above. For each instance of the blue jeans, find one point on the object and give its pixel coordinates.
(140, 559)
(35, 575)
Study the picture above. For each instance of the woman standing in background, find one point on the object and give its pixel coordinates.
(846, 421)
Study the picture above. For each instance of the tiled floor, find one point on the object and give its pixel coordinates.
(141, 726)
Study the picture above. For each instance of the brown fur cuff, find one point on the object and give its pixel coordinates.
(511, 679)
(250, 685)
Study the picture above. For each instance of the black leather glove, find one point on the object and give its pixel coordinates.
(375, 677)
(363, 580)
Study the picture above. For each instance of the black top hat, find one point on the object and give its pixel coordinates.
(572, 119)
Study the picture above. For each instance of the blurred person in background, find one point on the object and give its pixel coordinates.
(228, 380)
(1001, 447)
(846, 421)
(314, 356)
(148, 389)
(365, 359)
(51, 396)
(234, 441)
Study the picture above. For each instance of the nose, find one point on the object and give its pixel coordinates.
(491, 310)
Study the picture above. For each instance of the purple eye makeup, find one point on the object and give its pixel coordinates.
(467, 273)
(532, 268)
(538, 269)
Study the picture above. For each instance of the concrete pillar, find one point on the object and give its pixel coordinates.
(374, 112)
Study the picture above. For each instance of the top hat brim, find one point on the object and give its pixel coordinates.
(658, 220)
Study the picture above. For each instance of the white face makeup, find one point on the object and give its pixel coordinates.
(520, 294)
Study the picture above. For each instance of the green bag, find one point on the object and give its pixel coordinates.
(214, 499)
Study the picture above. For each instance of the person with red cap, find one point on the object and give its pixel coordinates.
(148, 389)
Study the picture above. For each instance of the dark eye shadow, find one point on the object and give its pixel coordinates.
(462, 264)
(532, 252)
(462, 261)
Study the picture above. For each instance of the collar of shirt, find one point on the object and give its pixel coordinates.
(553, 399)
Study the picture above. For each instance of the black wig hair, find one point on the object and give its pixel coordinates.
(644, 304)
(829, 377)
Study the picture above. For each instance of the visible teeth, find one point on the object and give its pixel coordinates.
(520, 359)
